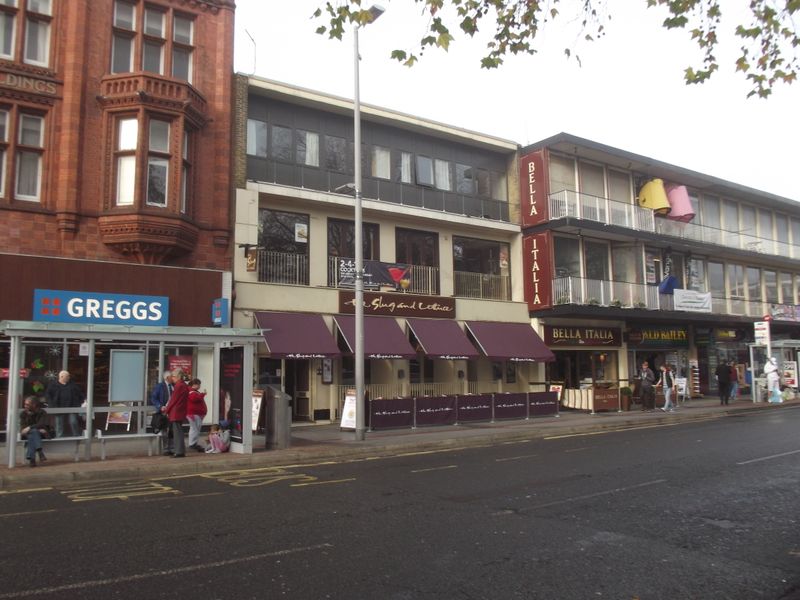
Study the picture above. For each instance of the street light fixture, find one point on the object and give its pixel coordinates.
(375, 11)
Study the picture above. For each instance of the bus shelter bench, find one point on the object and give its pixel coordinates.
(152, 439)
(76, 439)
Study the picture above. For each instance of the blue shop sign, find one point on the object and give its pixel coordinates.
(219, 312)
(61, 306)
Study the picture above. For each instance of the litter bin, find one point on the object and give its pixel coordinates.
(278, 418)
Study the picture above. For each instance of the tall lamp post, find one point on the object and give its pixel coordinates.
(375, 11)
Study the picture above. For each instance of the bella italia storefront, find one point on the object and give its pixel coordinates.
(587, 364)
(116, 347)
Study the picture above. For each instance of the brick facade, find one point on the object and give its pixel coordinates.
(80, 103)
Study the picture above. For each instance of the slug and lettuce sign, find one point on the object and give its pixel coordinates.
(61, 306)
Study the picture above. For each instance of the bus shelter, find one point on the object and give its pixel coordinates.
(116, 367)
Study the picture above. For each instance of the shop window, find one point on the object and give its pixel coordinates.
(165, 38)
(30, 20)
(415, 247)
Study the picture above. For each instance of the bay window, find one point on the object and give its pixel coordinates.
(164, 38)
(127, 141)
(158, 163)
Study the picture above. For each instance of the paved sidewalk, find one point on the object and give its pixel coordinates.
(127, 459)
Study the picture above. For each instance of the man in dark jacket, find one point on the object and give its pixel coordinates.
(159, 398)
(176, 411)
(647, 389)
(723, 374)
(64, 394)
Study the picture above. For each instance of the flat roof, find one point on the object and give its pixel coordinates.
(85, 331)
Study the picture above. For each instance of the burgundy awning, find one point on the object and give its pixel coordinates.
(509, 341)
(383, 337)
(442, 338)
(297, 335)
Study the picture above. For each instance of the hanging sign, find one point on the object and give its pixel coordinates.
(761, 332)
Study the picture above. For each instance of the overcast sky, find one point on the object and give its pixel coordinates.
(628, 92)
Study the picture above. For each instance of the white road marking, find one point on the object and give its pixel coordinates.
(164, 572)
(755, 460)
(515, 457)
(24, 514)
(434, 469)
(323, 482)
(597, 494)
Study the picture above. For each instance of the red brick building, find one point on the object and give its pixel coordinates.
(115, 130)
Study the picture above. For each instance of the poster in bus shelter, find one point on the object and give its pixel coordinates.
(231, 389)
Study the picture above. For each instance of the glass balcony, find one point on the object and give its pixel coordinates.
(616, 294)
(567, 203)
(479, 285)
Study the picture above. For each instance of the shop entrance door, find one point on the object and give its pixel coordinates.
(297, 386)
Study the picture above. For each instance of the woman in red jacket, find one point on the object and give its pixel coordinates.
(176, 411)
(195, 412)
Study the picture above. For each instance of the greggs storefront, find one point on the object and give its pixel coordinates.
(116, 344)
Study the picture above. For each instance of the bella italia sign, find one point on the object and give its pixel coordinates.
(582, 336)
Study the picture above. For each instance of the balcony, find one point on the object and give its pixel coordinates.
(567, 203)
(394, 192)
(422, 280)
(616, 294)
(480, 285)
(282, 267)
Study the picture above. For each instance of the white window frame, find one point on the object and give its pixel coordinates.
(32, 149)
(4, 151)
(12, 45)
(127, 141)
(45, 44)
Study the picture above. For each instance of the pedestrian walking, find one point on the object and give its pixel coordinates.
(668, 386)
(773, 380)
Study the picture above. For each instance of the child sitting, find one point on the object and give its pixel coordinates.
(219, 440)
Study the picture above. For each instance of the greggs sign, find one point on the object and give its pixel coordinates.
(60, 306)
(533, 179)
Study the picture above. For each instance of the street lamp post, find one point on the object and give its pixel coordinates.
(375, 11)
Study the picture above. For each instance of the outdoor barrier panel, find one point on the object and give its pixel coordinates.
(543, 403)
(511, 406)
(435, 410)
(474, 408)
(391, 412)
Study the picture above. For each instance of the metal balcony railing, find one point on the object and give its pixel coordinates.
(567, 203)
(423, 280)
(596, 292)
(282, 267)
(479, 285)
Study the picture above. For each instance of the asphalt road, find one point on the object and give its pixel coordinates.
(701, 510)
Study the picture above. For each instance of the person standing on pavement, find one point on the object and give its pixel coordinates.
(773, 380)
(648, 392)
(159, 398)
(33, 428)
(195, 411)
(723, 375)
(668, 386)
(734, 389)
(63, 393)
(175, 410)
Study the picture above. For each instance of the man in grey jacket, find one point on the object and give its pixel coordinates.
(647, 389)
